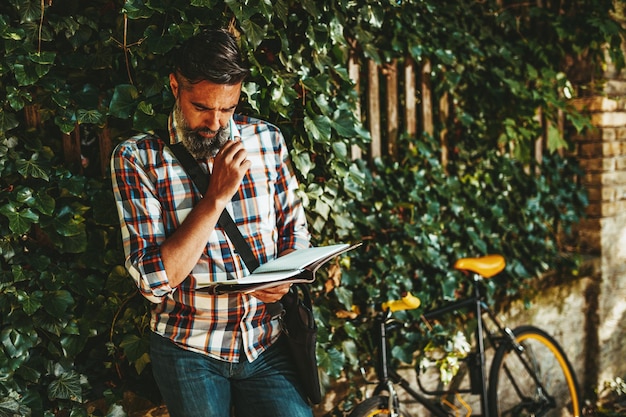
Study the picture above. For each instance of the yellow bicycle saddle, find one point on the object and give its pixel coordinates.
(486, 266)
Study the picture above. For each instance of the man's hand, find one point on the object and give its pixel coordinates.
(229, 167)
(272, 294)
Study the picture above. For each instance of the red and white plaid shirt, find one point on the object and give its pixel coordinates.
(154, 195)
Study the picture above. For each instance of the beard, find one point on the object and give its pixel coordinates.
(195, 140)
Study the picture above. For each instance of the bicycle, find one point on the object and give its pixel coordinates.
(529, 375)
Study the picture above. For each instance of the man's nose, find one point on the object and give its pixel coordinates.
(212, 122)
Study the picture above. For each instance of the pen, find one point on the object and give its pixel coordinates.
(231, 126)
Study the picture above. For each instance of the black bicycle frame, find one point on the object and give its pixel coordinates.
(387, 375)
(475, 303)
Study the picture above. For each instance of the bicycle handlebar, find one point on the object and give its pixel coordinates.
(407, 302)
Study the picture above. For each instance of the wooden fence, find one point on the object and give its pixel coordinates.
(398, 92)
(410, 106)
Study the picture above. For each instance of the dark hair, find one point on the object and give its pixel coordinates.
(212, 55)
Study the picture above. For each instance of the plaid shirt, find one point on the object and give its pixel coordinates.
(154, 195)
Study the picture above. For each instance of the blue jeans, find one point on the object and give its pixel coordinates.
(195, 385)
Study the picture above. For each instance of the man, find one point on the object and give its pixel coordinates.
(211, 352)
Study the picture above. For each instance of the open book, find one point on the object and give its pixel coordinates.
(297, 266)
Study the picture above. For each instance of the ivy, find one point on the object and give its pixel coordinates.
(71, 322)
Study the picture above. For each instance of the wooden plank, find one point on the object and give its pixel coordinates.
(32, 116)
(71, 150)
(105, 147)
(561, 127)
(391, 77)
(444, 112)
(538, 152)
(410, 102)
(427, 99)
(373, 100)
(354, 71)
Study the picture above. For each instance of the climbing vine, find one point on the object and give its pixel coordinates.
(73, 329)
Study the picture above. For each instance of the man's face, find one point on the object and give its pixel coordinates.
(202, 113)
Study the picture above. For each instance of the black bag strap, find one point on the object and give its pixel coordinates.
(201, 180)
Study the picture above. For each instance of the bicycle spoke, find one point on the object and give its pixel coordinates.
(536, 382)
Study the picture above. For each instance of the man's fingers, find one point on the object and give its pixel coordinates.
(232, 151)
(272, 294)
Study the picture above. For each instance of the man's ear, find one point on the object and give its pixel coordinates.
(174, 84)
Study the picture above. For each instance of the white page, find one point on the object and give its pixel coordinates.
(298, 259)
(265, 277)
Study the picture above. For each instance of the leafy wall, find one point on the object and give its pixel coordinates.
(77, 77)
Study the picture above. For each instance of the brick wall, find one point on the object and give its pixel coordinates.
(602, 154)
(587, 313)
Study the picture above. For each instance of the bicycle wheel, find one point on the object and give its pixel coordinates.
(375, 406)
(539, 381)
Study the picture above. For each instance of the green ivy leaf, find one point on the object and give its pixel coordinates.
(331, 360)
(302, 162)
(73, 344)
(17, 271)
(143, 122)
(18, 98)
(31, 168)
(8, 121)
(310, 7)
(241, 10)
(319, 127)
(11, 408)
(29, 374)
(136, 9)
(30, 302)
(344, 296)
(66, 387)
(17, 342)
(61, 98)
(134, 346)
(124, 101)
(57, 302)
(402, 354)
(555, 139)
(43, 202)
(340, 150)
(142, 362)
(43, 58)
(65, 119)
(19, 220)
(255, 34)
(30, 11)
(68, 225)
(136, 350)
(158, 43)
(29, 74)
(92, 116)
(344, 123)
(448, 287)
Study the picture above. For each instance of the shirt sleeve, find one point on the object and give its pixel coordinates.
(140, 215)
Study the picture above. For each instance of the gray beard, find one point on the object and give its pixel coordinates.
(197, 145)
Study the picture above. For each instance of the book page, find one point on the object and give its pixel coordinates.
(265, 277)
(299, 259)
